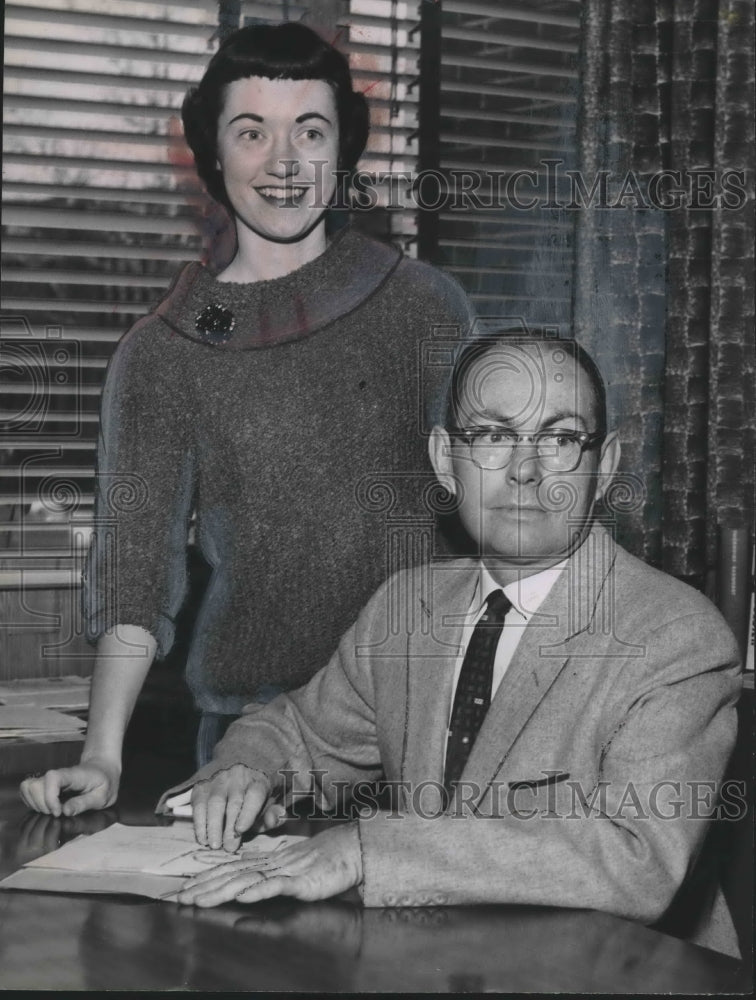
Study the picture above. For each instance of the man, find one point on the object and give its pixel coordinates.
(589, 779)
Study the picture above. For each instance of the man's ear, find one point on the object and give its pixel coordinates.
(608, 463)
(439, 449)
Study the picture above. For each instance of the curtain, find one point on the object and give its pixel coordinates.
(709, 378)
(663, 287)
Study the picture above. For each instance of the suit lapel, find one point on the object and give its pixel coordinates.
(552, 636)
(432, 654)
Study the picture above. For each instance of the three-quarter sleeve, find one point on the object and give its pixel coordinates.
(136, 567)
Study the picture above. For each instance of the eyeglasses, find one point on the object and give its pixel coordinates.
(557, 451)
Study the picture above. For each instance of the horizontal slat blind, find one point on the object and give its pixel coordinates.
(101, 206)
(383, 44)
(509, 89)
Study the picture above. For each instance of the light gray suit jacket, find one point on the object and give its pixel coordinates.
(595, 771)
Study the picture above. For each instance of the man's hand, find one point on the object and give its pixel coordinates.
(230, 803)
(95, 782)
(324, 866)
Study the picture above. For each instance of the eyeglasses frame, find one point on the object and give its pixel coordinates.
(468, 434)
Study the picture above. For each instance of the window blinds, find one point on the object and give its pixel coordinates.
(508, 106)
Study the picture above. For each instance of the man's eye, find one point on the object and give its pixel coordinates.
(495, 437)
(559, 439)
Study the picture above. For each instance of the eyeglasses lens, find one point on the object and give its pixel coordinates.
(555, 454)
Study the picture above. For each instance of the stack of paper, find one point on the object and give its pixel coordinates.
(70, 693)
(38, 724)
(149, 861)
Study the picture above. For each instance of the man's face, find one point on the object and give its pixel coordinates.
(524, 516)
(278, 147)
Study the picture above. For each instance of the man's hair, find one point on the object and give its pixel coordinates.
(476, 349)
(289, 51)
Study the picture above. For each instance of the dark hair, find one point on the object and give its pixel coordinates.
(478, 348)
(289, 51)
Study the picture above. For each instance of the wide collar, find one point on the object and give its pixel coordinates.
(526, 595)
(233, 316)
(576, 607)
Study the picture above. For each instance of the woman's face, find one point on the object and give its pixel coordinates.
(278, 149)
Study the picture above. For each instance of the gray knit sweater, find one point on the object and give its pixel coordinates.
(289, 415)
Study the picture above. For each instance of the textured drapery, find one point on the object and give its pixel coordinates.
(619, 271)
(664, 279)
(709, 384)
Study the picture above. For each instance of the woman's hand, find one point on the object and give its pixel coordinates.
(124, 656)
(94, 782)
(230, 803)
(324, 866)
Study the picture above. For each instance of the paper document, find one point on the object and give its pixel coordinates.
(70, 693)
(149, 861)
(29, 721)
(180, 805)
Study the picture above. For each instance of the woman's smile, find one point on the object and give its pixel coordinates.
(283, 197)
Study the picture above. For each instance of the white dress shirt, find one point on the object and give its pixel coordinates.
(526, 596)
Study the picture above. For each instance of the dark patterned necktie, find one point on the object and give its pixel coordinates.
(473, 694)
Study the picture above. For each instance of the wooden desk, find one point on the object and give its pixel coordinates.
(50, 941)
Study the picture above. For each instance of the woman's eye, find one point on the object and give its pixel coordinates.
(313, 134)
(251, 133)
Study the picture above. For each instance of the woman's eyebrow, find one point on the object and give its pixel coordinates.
(298, 121)
(247, 114)
(312, 114)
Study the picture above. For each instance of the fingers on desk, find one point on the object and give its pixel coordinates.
(314, 869)
(97, 786)
(226, 806)
(240, 880)
(42, 792)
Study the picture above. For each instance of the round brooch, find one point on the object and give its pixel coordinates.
(215, 323)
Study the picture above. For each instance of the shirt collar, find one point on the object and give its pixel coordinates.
(526, 594)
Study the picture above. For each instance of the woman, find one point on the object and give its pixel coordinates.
(260, 398)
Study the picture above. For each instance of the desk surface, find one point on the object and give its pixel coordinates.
(51, 941)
